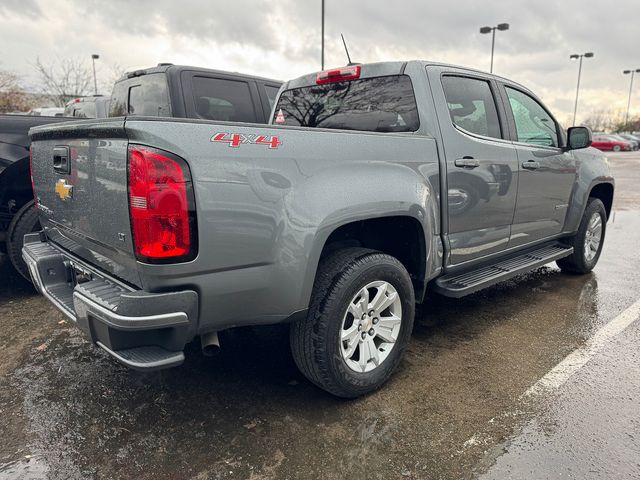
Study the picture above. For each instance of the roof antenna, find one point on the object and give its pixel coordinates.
(347, 50)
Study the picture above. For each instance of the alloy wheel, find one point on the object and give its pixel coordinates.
(370, 326)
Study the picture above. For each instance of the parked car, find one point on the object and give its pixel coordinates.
(362, 195)
(633, 139)
(46, 112)
(95, 106)
(165, 90)
(608, 142)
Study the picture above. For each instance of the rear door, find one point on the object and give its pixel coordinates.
(481, 163)
(221, 97)
(546, 172)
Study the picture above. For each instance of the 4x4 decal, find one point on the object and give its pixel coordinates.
(236, 139)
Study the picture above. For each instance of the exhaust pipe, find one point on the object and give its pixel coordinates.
(210, 344)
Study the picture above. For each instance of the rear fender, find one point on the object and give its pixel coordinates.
(364, 191)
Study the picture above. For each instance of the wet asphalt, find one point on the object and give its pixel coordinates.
(456, 408)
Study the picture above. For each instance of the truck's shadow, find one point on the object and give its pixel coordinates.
(12, 286)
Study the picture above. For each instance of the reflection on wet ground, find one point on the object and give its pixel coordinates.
(68, 411)
(588, 429)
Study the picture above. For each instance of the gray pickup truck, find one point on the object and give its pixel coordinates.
(372, 185)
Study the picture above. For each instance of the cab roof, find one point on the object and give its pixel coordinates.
(379, 69)
(169, 67)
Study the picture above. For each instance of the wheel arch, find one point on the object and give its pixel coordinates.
(602, 187)
(413, 246)
(603, 192)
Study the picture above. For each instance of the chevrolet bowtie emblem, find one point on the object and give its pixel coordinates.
(64, 190)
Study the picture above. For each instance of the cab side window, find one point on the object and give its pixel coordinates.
(144, 95)
(534, 125)
(221, 99)
(471, 105)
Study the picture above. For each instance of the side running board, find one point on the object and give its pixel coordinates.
(461, 284)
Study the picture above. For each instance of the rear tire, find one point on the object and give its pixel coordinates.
(616, 148)
(319, 342)
(585, 253)
(24, 221)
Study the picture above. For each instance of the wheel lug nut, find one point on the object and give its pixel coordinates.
(359, 327)
(375, 320)
(371, 313)
(364, 335)
(364, 315)
(371, 331)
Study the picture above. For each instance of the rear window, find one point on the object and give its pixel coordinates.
(379, 104)
(220, 99)
(146, 95)
(472, 106)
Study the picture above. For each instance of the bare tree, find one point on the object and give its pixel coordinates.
(13, 98)
(116, 71)
(64, 79)
(602, 120)
(632, 125)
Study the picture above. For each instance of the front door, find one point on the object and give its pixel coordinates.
(481, 165)
(546, 172)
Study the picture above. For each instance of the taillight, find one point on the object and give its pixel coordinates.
(338, 75)
(33, 185)
(162, 206)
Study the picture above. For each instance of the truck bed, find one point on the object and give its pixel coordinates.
(264, 204)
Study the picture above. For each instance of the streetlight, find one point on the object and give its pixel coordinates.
(322, 41)
(627, 72)
(576, 56)
(94, 57)
(492, 30)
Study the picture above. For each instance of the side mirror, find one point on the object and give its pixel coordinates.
(579, 137)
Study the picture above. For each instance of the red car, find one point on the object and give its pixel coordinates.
(606, 142)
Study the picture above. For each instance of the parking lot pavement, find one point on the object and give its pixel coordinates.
(457, 407)
(589, 428)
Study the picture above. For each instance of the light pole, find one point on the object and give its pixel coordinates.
(492, 30)
(94, 57)
(576, 56)
(627, 72)
(322, 41)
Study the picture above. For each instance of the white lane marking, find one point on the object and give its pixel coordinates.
(573, 362)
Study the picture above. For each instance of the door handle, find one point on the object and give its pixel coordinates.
(531, 165)
(466, 162)
(61, 163)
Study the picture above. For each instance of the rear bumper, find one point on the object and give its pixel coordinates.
(145, 331)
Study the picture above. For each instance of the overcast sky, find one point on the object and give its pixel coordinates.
(281, 38)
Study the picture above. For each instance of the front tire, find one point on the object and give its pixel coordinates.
(358, 325)
(24, 221)
(588, 241)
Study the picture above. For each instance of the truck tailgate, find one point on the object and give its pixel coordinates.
(80, 182)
